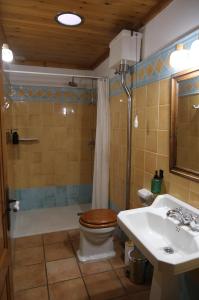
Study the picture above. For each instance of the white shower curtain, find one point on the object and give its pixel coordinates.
(100, 197)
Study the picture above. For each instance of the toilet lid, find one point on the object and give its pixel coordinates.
(99, 218)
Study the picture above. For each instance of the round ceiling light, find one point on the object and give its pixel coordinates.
(69, 19)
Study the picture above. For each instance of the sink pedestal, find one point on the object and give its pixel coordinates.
(165, 286)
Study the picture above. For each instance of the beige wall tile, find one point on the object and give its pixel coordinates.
(152, 117)
(164, 117)
(139, 138)
(151, 140)
(147, 180)
(164, 91)
(140, 96)
(139, 159)
(194, 199)
(163, 142)
(63, 141)
(150, 162)
(153, 93)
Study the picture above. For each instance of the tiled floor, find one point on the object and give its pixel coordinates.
(46, 267)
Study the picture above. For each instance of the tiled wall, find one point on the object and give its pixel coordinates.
(151, 144)
(150, 149)
(56, 170)
(118, 108)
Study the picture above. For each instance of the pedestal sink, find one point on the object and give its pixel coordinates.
(172, 249)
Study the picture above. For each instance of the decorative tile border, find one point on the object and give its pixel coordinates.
(154, 68)
(50, 94)
(52, 196)
(116, 86)
(157, 66)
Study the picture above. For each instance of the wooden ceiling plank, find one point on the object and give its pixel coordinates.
(50, 14)
(32, 32)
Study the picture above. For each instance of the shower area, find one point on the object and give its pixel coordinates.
(50, 124)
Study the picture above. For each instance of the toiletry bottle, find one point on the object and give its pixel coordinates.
(156, 184)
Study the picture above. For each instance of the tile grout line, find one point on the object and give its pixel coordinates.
(45, 262)
(118, 277)
(158, 117)
(145, 132)
(80, 270)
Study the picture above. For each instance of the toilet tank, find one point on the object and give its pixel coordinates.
(123, 47)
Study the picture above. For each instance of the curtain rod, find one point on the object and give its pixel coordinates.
(55, 74)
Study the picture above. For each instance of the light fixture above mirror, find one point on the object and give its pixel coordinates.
(182, 59)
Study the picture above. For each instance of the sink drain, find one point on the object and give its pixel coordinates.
(168, 250)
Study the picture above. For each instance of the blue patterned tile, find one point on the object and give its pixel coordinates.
(53, 196)
(49, 94)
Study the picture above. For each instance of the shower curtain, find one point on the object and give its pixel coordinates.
(100, 196)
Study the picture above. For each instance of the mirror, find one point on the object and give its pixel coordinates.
(184, 129)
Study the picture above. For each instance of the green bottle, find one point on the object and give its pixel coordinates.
(156, 183)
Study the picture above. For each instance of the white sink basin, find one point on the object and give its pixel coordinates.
(152, 230)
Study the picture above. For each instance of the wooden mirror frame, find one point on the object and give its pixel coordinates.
(173, 119)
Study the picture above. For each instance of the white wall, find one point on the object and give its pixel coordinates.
(177, 19)
(103, 69)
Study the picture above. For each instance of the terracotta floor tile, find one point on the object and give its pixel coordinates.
(144, 295)
(73, 234)
(55, 237)
(39, 293)
(75, 245)
(58, 251)
(68, 290)
(63, 269)
(104, 286)
(88, 268)
(118, 247)
(117, 261)
(26, 277)
(128, 284)
(28, 242)
(29, 256)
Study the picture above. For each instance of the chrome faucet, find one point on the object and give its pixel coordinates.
(184, 218)
(177, 214)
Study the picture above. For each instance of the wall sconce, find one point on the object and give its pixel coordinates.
(7, 54)
(179, 59)
(194, 53)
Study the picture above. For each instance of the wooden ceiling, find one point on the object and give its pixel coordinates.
(29, 28)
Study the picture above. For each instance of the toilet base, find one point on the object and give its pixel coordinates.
(95, 256)
(96, 243)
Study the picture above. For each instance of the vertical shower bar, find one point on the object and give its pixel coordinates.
(124, 67)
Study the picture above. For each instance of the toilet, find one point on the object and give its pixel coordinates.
(96, 234)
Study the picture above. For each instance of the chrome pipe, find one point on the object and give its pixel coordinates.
(123, 71)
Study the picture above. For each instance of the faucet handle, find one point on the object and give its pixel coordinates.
(194, 218)
(179, 210)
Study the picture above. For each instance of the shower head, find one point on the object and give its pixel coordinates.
(72, 83)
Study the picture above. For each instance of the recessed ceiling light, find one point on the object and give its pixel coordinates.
(69, 19)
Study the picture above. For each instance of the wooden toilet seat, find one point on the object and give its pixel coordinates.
(98, 218)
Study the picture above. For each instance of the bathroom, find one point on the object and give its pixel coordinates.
(51, 120)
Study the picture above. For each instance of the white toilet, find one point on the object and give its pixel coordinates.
(96, 234)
